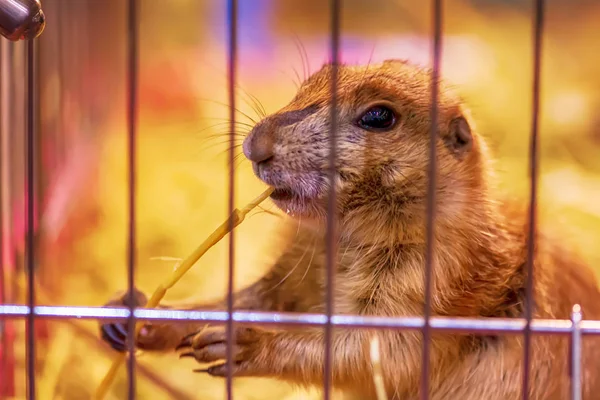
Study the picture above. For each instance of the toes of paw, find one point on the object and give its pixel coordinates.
(115, 335)
(208, 336)
(183, 346)
(242, 335)
(210, 353)
(219, 370)
(186, 341)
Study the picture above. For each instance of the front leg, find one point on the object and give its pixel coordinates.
(283, 288)
(165, 336)
(299, 356)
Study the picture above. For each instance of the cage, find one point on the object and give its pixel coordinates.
(115, 136)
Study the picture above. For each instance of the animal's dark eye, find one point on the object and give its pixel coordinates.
(377, 118)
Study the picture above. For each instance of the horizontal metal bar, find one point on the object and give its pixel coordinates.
(446, 324)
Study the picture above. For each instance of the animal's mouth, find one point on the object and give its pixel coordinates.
(298, 194)
(283, 194)
(295, 202)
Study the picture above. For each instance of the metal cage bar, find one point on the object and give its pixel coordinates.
(12, 78)
(576, 318)
(30, 216)
(431, 195)
(533, 175)
(331, 239)
(232, 19)
(132, 110)
(443, 324)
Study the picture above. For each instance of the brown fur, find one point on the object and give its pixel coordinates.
(479, 263)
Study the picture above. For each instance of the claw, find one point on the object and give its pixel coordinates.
(189, 336)
(212, 369)
(186, 341)
(183, 344)
(205, 370)
(114, 337)
(122, 330)
(188, 354)
(220, 370)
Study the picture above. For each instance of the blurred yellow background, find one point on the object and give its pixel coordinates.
(182, 165)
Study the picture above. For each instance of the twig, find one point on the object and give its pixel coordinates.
(237, 217)
(55, 358)
(377, 370)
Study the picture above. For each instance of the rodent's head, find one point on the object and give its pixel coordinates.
(383, 132)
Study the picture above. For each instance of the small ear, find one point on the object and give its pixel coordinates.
(460, 138)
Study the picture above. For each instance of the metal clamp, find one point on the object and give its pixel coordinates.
(21, 19)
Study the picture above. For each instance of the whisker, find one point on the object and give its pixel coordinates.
(227, 105)
(222, 143)
(261, 108)
(290, 272)
(238, 132)
(303, 56)
(237, 146)
(225, 135)
(273, 213)
(309, 262)
(239, 155)
(299, 83)
(226, 121)
(237, 87)
(239, 162)
(256, 105)
(222, 138)
(297, 44)
(241, 131)
(250, 101)
(205, 145)
(369, 62)
(308, 72)
(409, 181)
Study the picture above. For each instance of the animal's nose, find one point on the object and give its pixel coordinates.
(258, 146)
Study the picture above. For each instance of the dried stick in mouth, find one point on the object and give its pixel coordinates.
(235, 219)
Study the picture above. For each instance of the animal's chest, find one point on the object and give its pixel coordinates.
(377, 281)
(366, 292)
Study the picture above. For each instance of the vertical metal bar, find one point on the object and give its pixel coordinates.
(331, 205)
(6, 237)
(60, 58)
(29, 236)
(132, 100)
(533, 175)
(576, 317)
(232, 19)
(431, 195)
(4, 245)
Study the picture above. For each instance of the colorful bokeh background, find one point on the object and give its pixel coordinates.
(182, 157)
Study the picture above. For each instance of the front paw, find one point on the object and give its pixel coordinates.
(150, 337)
(115, 334)
(209, 345)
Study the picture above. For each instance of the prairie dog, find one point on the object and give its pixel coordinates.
(381, 181)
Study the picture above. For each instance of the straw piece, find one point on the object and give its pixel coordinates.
(236, 218)
(377, 370)
(55, 358)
